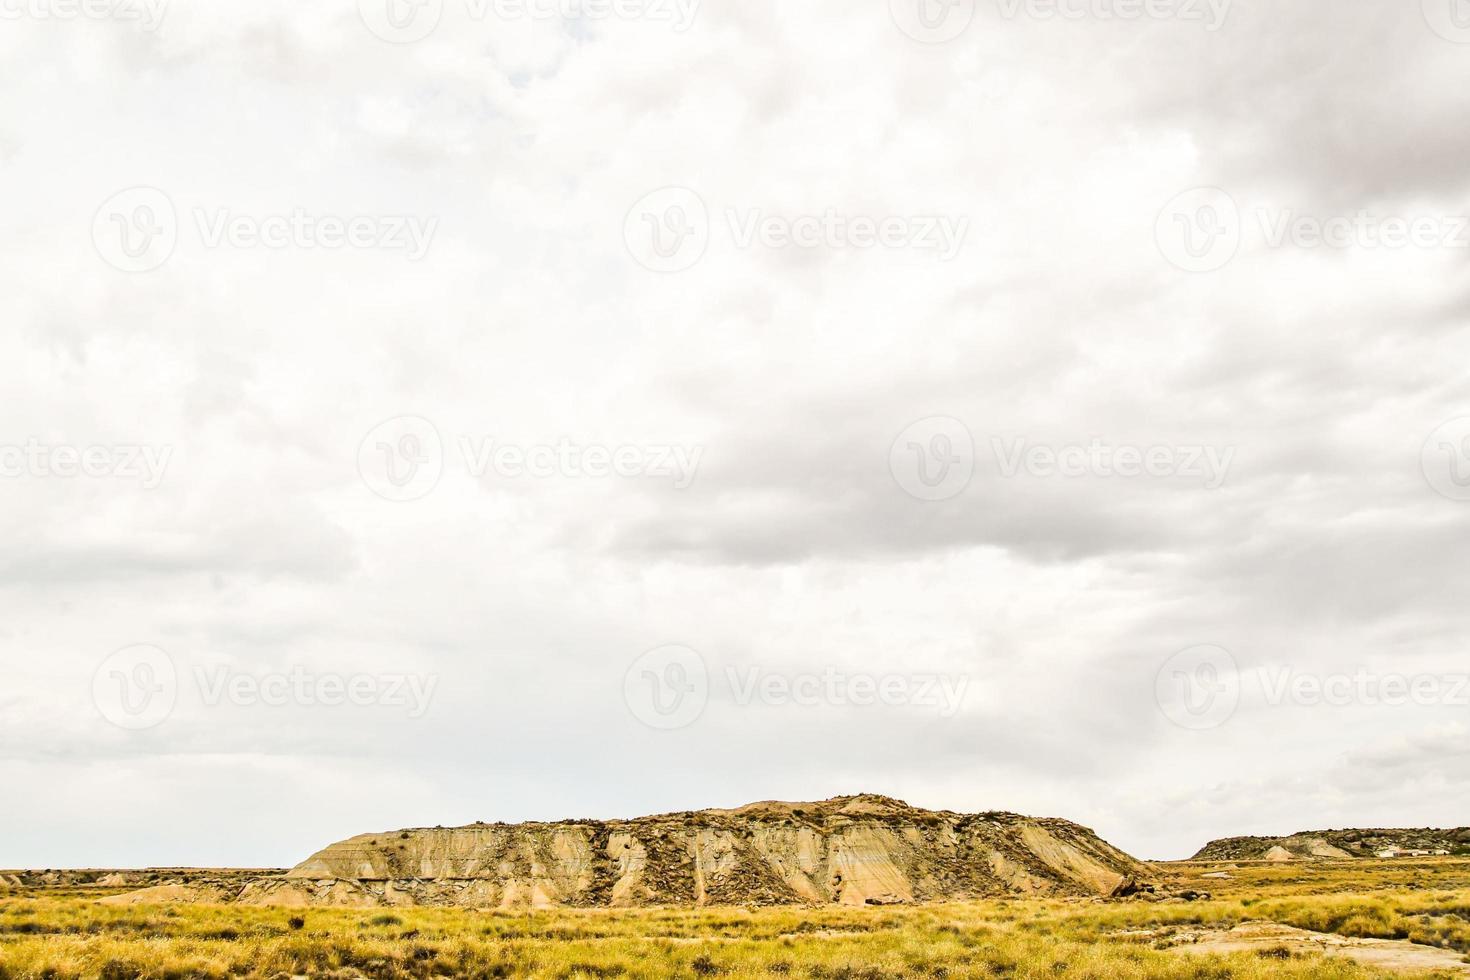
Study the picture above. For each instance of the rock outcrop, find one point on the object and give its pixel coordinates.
(1337, 845)
(224, 881)
(851, 850)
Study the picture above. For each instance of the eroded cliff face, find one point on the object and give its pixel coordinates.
(1336, 845)
(851, 850)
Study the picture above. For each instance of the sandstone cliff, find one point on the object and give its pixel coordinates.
(851, 850)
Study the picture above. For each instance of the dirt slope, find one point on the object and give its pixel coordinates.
(851, 850)
(1321, 845)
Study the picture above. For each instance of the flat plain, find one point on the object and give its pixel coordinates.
(1349, 919)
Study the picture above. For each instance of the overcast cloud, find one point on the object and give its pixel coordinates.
(420, 414)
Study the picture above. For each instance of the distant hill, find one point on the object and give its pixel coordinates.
(850, 850)
(1328, 845)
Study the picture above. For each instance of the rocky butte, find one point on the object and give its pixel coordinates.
(849, 850)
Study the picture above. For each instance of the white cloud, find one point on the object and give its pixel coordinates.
(792, 371)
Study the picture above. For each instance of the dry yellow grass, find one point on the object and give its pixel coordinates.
(56, 937)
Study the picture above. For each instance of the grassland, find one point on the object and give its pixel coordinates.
(57, 936)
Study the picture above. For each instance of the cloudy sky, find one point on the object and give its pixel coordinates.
(471, 410)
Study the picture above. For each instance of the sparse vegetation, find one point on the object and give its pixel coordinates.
(60, 937)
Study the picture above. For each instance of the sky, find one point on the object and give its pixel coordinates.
(417, 413)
